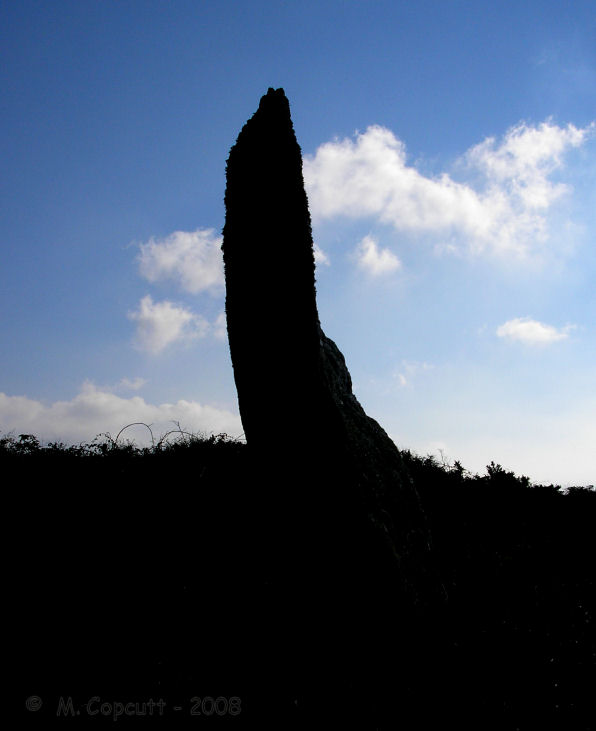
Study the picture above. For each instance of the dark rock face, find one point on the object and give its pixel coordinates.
(273, 324)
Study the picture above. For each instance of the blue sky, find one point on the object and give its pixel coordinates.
(450, 161)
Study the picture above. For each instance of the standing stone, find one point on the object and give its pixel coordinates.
(342, 526)
(294, 389)
(273, 325)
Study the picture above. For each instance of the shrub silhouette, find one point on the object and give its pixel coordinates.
(146, 581)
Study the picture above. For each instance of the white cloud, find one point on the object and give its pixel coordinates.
(93, 411)
(320, 256)
(374, 260)
(525, 159)
(531, 332)
(220, 327)
(192, 258)
(503, 210)
(160, 324)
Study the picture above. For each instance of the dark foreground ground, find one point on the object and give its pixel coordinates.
(152, 587)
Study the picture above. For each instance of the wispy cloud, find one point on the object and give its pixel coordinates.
(531, 332)
(321, 257)
(192, 258)
(130, 384)
(220, 327)
(409, 370)
(160, 324)
(375, 260)
(94, 410)
(501, 210)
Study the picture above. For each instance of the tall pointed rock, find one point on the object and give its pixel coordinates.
(340, 529)
(293, 384)
(270, 279)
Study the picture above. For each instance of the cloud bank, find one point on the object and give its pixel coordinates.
(94, 410)
(503, 210)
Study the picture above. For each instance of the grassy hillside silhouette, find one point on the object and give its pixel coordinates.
(144, 574)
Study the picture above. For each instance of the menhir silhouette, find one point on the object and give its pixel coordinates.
(341, 520)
